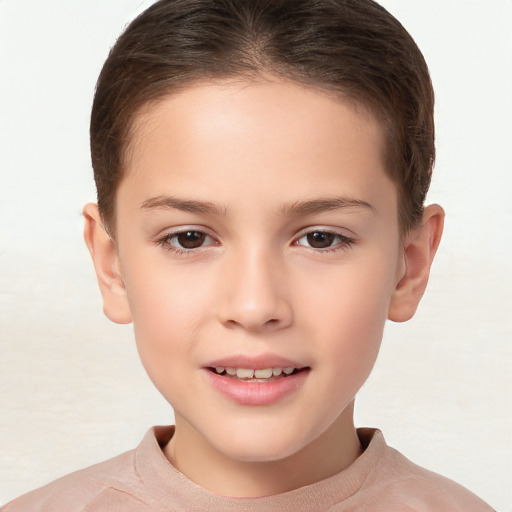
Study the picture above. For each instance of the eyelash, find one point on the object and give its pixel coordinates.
(343, 242)
(166, 242)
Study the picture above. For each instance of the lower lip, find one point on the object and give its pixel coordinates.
(257, 393)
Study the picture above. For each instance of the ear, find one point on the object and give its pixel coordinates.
(106, 263)
(420, 248)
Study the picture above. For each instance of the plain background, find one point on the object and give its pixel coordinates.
(72, 389)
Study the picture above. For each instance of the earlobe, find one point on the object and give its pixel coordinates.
(420, 248)
(106, 263)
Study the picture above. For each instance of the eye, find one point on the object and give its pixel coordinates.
(320, 239)
(186, 240)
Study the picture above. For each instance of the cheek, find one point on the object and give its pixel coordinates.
(168, 310)
(356, 329)
(351, 347)
(161, 295)
(351, 309)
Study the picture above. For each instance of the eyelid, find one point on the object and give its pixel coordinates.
(325, 229)
(176, 230)
(164, 238)
(347, 239)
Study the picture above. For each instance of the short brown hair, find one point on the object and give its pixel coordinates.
(352, 47)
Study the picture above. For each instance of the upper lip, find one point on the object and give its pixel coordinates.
(255, 362)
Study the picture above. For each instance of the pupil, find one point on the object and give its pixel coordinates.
(320, 239)
(191, 239)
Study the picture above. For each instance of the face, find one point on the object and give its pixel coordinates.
(257, 237)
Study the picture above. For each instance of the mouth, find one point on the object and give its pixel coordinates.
(256, 382)
(256, 375)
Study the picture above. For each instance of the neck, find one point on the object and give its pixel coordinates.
(336, 449)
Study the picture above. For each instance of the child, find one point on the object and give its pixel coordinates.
(261, 170)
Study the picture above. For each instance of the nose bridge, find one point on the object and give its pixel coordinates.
(255, 291)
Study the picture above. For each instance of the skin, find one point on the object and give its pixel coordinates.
(236, 160)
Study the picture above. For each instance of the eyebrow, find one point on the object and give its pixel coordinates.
(292, 210)
(323, 205)
(186, 205)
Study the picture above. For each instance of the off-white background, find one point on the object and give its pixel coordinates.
(72, 389)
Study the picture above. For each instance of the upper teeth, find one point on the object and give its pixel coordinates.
(249, 373)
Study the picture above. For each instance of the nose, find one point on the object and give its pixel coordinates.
(255, 294)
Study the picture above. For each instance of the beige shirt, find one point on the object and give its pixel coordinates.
(143, 480)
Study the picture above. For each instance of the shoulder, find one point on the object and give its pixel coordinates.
(116, 484)
(408, 487)
(77, 491)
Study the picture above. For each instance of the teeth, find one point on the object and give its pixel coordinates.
(249, 373)
(244, 373)
(263, 374)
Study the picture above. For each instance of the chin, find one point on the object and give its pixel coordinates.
(260, 453)
(262, 443)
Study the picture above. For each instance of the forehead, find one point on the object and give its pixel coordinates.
(238, 131)
(270, 101)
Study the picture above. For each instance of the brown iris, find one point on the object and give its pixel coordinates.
(191, 239)
(320, 239)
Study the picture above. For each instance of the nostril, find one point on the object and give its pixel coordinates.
(255, 309)
(254, 324)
